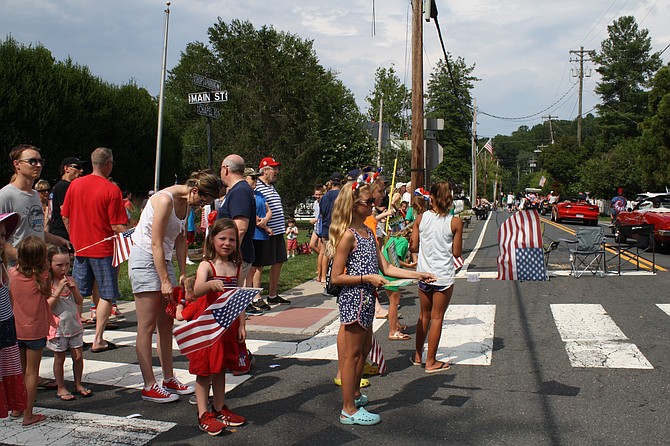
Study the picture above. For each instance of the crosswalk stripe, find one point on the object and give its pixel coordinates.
(67, 428)
(467, 335)
(664, 307)
(592, 338)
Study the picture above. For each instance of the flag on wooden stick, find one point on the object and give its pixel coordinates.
(489, 147)
(123, 241)
(377, 356)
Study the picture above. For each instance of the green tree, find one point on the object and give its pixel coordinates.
(655, 143)
(452, 101)
(626, 65)
(281, 102)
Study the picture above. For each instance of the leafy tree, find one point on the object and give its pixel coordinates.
(562, 161)
(452, 102)
(655, 144)
(626, 66)
(397, 101)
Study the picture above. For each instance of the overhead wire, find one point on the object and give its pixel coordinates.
(506, 118)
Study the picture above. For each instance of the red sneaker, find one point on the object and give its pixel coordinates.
(173, 385)
(157, 394)
(208, 423)
(228, 417)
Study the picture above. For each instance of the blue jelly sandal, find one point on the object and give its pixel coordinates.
(361, 400)
(361, 417)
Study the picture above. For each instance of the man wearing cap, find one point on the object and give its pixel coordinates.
(271, 252)
(19, 196)
(240, 206)
(70, 168)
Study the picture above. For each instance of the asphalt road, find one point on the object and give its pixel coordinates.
(571, 362)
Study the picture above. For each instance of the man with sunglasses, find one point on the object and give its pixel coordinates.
(70, 169)
(20, 197)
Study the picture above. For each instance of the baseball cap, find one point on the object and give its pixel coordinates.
(354, 174)
(70, 160)
(336, 177)
(268, 161)
(400, 184)
(11, 220)
(250, 172)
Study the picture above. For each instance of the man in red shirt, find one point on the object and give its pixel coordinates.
(93, 212)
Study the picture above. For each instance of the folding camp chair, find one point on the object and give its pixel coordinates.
(639, 238)
(547, 248)
(589, 252)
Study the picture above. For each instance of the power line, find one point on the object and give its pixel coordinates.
(528, 116)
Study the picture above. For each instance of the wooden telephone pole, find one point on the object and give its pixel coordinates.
(418, 163)
(581, 52)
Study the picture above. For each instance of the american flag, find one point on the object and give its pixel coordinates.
(489, 147)
(542, 181)
(123, 241)
(207, 328)
(377, 356)
(520, 241)
(458, 262)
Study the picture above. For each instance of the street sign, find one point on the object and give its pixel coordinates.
(208, 111)
(206, 97)
(206, 82)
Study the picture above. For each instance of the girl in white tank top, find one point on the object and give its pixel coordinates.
(438, 238)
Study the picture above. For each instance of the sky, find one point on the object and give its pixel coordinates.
(520, 48)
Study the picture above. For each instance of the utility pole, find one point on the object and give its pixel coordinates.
(473, 189)
(418, 165)
(159, 133)
(380, 134)
(581, 52)
(551, 130)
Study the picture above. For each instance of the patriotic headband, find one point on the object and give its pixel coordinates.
(367, 177)
(423, 192)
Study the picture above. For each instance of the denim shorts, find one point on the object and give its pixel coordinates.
(33, 344)
(90, 270)
(142, 272)
(65, 343)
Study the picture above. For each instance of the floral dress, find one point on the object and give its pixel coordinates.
(357, 303)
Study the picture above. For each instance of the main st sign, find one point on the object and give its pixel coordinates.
(207, 97)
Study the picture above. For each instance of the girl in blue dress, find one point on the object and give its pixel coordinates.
(356, 266)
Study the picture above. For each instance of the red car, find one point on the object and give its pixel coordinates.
(575, 209)
(654, 210)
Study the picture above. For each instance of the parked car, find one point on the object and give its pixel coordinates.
(575, 209)
(655, 210)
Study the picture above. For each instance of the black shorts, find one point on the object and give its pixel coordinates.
(271, 251)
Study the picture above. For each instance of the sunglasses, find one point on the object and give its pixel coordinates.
(368, 202)
(43, 190)
(33, 161)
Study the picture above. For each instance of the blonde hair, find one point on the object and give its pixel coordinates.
(343, 214)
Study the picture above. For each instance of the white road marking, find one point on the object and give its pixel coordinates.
(664, 307)
(467, 335)
(592, 338)
(473, 253)
(66, 428)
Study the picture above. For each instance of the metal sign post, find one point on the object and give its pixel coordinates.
(215, 94)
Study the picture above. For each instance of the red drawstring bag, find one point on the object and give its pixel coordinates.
(177, 295)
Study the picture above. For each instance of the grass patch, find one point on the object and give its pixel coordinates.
(295, 271)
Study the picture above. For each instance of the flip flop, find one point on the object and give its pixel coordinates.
(411, 359)
(65, 397)
(38, 418)
(109, 346)
(46, 383)
(444, 366)
(397, 336)
(85, 392)
(16, 416)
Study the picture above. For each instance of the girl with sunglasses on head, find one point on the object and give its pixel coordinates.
(352, 245)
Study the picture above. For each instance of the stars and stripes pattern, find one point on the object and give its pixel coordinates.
(520, 244)
(207, 328)
(377, 356)
(489, 147)
(458, 262)
(123, 241)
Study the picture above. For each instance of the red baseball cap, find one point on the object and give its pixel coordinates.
(268, 161)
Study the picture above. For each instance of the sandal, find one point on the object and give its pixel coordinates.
(398, 336)
(361, 417)
(46, 383)
(38, 418)
(15, 415)
(361, 401)
(414, 361)
(364, 382)
(370, 369)
(443, 367)
(65, 397)
(85, 393)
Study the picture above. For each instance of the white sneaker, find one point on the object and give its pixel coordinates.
(189, 262)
